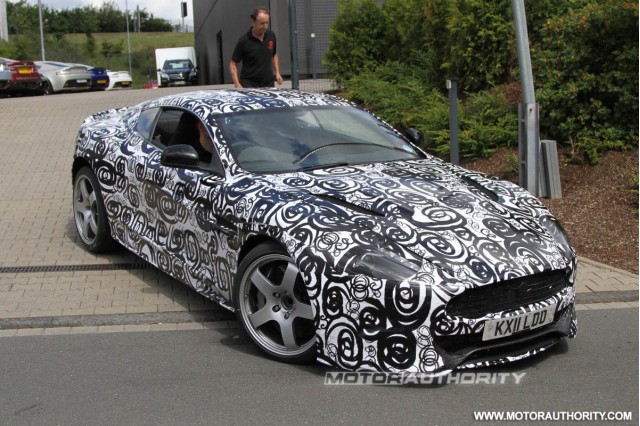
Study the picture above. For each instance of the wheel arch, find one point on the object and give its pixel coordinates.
(251, 243)
(78, 163)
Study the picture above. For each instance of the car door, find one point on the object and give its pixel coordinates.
(182, 236)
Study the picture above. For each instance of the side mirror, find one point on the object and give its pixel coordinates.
(180, 156)
(414, 135)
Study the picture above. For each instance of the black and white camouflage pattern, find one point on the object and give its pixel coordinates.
(465, 229)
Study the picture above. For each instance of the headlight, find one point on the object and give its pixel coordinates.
(553, 227)
(384, 265)
(163, 75)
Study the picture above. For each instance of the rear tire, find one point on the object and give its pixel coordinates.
(46, 88)
(273, 305)
(89, 213)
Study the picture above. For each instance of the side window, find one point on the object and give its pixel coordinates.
(178, 127)
(146, 121)
(166, 127)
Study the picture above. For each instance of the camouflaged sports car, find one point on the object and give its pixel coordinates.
(332, 236)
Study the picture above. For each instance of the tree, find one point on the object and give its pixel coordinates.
(110, 19)
(22, 17)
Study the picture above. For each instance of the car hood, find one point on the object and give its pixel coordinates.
(465, 223)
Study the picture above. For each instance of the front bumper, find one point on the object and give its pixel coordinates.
(408, 330)
(483, 354)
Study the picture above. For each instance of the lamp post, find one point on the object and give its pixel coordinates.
(126, 6)
(41, 30)
(529, 145)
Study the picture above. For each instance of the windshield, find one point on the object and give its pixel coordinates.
(177, 64)
(305, 138)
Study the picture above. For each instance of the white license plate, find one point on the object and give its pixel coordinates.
(503, 327)
(81, 81)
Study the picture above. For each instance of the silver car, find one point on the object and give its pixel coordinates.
(60, 77)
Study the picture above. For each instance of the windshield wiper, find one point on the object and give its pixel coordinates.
(314, 150)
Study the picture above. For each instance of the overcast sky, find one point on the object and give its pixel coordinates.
(167, 9)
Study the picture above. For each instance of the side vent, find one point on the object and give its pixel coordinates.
(472, 183)
(346, 204)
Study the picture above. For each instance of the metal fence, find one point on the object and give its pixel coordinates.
(312, 23)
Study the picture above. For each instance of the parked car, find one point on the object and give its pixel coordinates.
(176, 66)
(151, 84)
(331, 235)
(178, 72)
(99, 78)
(119, 80)
(61, 77)
(18, 77)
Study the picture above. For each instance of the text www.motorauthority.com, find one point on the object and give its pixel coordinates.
(572, 416)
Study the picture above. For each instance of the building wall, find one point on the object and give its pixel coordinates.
(219, 23)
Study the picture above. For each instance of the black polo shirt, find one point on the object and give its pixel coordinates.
(257, 59)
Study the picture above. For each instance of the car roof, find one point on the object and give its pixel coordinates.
(223, 101)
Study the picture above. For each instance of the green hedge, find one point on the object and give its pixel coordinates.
(587, 77)
(584, 54)
(396, 93)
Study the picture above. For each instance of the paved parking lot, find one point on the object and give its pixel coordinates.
(48, 280)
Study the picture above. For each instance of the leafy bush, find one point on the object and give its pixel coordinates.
(470, 39)
(587, 76)
(399, 95)
(487, 122)
(584, 52)
(481, 48)
(418, 35)
(355, 38)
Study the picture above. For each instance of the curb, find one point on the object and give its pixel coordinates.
(115, 319)
(218, 316)
(607, 297)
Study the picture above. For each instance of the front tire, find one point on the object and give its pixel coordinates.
(273, 305)
(90, 215)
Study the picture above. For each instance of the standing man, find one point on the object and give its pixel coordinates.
(257, 52)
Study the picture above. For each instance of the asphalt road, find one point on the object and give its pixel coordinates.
(216, 377)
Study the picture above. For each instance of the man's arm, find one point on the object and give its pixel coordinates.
(233, 69)
(276, 67)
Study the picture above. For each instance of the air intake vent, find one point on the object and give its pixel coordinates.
(508, 295)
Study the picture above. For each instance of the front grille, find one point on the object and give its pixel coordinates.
(508, 295)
